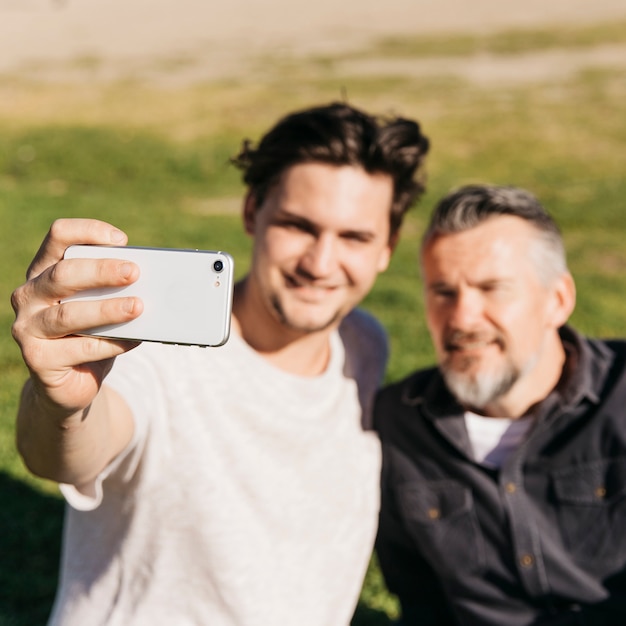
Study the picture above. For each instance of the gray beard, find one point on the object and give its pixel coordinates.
(480, 389)
(483, 388)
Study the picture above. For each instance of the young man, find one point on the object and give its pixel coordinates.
(236, 485)
(504, 469)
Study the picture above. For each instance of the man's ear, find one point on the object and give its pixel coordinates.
(393, 240)
(385, 258)
(564, 293)
(249, 213)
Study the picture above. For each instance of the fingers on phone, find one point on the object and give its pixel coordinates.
(70, 276)
(70, 318)
(86, 349)
(65, 232)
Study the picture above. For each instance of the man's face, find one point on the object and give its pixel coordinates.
(492, 321)
(321, 237)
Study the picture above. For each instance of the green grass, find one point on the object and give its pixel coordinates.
(155, 162)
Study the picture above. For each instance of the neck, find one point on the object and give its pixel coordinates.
(297, 352)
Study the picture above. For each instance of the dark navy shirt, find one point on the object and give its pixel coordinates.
(541, 540)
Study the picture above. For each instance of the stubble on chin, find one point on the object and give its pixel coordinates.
(288, 322)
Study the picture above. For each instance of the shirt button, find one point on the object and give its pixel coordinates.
(510, 487)
(600, 493)
(434, 513)
(527, 560)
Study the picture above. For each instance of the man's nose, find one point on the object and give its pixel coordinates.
(320, 257)
(466, 309)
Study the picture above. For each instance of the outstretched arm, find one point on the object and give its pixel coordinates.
(69, 426)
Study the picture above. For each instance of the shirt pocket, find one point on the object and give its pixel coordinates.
(441, 519)
(591, 508)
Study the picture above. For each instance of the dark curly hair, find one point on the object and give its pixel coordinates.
(339, 134)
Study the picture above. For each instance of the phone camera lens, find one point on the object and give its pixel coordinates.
(218, 266)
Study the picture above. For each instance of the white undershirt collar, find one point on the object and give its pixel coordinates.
(493, 439)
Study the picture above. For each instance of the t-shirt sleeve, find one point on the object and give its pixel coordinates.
(367, 353)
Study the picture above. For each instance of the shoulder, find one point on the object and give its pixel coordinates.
(361, 331)
(401, 397)
(599, 358)
(608, 355)
(411, 388)
(616, 346)
(365, 357)
(366, 347)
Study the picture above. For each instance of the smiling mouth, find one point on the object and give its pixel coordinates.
(306, 285)
(459, 343)
(468, 347)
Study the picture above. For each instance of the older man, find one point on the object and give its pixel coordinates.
(504, 475)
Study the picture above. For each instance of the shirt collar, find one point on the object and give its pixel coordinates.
(586, 368)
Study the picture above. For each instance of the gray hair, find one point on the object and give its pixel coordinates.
(472, 205)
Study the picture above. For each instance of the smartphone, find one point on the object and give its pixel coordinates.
(187, 294)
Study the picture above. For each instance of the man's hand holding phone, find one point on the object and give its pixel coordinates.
(68, 368)
(75, 315)
(89, 298)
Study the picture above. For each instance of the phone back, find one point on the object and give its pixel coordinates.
(187, 294)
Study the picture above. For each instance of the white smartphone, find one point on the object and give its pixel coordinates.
(187, 294)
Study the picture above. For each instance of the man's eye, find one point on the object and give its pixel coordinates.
(290, 225)
(495, 289)
(357, 237)
(444, 293)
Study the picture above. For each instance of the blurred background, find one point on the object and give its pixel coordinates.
(128, 111)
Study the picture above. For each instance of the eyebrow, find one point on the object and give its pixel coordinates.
(480, 284)
(312, 227)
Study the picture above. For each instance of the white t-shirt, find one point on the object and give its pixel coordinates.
(247, 497)
(494, 439)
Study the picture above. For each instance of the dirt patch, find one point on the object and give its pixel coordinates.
(198, 40)
(488, 69)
